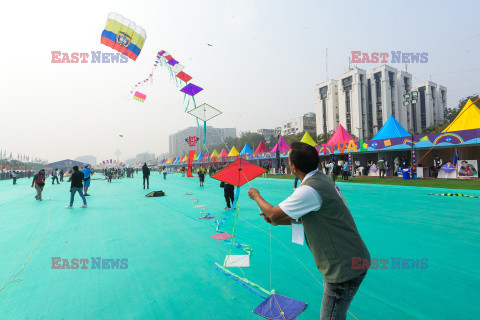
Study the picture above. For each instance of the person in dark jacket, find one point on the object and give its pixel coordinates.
(39, 183)
(228, 193)
(146, 175)
(76, 186)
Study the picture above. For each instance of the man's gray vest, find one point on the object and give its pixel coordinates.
(331, 233)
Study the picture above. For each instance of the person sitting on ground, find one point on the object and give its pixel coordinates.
(332, 236)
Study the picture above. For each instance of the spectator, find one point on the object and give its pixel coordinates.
(76, 186)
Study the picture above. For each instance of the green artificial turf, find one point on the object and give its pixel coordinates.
(170, 254)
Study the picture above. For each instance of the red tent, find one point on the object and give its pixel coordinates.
(262, 147)
(340, 136)
(239, 172)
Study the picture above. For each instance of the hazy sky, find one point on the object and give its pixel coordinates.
(265, 60)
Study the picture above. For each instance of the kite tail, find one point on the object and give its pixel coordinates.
(188, 104)
(204, 131)
(253, 287)
(222, 222)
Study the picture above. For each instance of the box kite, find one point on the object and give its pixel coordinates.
(139, 96)
(123, 35)
(280, 307)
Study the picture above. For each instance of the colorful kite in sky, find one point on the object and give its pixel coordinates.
(140, 96)
(123, 35)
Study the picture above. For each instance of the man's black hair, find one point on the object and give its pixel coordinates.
(75, 168)
(304, 157)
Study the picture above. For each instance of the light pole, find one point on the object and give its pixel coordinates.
(412, 100)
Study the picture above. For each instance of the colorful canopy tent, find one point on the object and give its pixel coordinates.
(467, 119)
(223, 153)
(214, 154)
(233, 152)
(308, 140)
(185, 159)
(200, 156)
(340, 136)
(391, 129)
(246, 150)
(262, 147)
(169, 161)
(178, 159)
(281, 145)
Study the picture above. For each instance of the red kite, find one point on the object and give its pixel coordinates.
(239, 172)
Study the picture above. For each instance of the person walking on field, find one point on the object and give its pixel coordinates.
(86, 178)
(318, 211)
(146, 175)
(55, 176)
(76, 186)
(382, 166)
(61, 174)
(228, 193)
(39, 183)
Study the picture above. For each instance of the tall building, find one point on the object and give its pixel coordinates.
(307, 122)
(87, 159)
(430, 106)
(362, 102)
(352, 101)
(326, 101)
(177, 145)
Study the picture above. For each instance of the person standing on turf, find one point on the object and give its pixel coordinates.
(61, 174)
(201, 176)
(86, 178)
(39, 183)
(228, 193)
(76, 186)
(146, 175)
(318, 206)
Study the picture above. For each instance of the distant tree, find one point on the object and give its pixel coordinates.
(294, 137)
(250, 138)
(324, 137)
(450, 115)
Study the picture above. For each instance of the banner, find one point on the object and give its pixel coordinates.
(191, 155)
(467, 169)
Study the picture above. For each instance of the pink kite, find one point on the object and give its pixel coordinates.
(222, 236)
(139, 96)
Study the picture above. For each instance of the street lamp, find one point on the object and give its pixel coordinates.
(412, 99)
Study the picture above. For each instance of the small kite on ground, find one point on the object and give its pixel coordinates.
(278, 307)
(222, 236)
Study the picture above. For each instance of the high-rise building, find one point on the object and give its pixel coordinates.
(177, 145)
(307, 122)
(362, 102)
(326, 101)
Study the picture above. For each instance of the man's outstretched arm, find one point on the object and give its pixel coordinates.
(273, 215)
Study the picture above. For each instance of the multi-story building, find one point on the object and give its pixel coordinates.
(215, 136)
(307, 122)
(326, 101)
(266, 133)
(363, 102)
(88, 159)
(352, 101)
(430, 106)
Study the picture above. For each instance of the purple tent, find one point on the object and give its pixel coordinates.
(277, 307)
